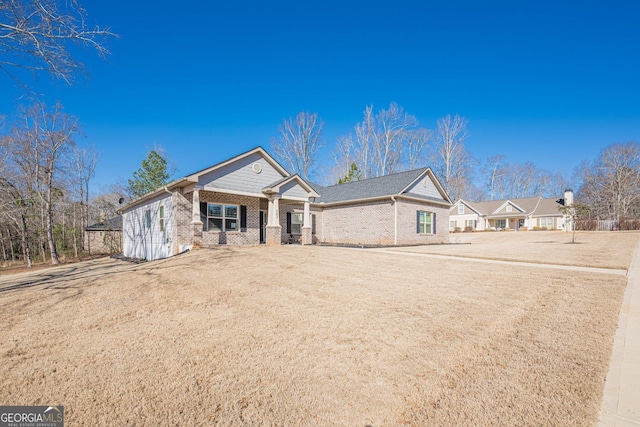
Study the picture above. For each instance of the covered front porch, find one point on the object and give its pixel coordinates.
(506, 222)
(281, 214)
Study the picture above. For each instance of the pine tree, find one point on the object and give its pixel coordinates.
(151, 175)
(354, 174)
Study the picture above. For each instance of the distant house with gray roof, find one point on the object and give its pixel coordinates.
(531, 213)
(104, 237)
(251, 199)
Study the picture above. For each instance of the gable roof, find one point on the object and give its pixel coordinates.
(378, 187)
(274, 187)
(549, 207)
(398, 184)
(470, 205)
(193, 177)
(529, 206)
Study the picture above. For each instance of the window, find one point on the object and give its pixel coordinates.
(296, 223)
(222, 217)
(501, 224)
(471, 223)
(548, 222)
(147, 217)
(460, 209)
(161, 218)
(424, 222)
(452, 225)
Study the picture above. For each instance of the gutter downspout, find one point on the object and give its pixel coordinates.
(395, 221)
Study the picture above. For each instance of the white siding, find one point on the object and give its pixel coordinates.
(140, 241)
(425, 187)
(461, 219)
(240, 176)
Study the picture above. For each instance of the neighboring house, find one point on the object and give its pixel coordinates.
(251, 199)
(529, 213)
(104, 237)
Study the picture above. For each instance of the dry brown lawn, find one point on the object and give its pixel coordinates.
(592, 249)
(297, 335)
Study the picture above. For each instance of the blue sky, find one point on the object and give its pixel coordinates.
(549, 82)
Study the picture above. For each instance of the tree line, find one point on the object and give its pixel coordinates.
(45, 173)
(390, 140)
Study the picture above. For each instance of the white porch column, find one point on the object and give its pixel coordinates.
(273, 216)
(273, 229)
(195, 210)
(196, 223)
(307, 232)
(306, 221)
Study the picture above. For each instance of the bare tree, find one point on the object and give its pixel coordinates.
(451, 159)
(343, 157)
(611, 184)
(392, 127)
(417, 141)
(299, 141)
(37, 35)
(83, 169)
(39, 143)
(365, 135)
(494, 172)
(382, 143)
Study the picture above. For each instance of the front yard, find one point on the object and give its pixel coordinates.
(296, 335)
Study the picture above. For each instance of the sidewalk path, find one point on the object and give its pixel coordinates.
(512, 263)
(621, 400)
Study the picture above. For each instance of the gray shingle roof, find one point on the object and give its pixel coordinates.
(548, 207)
(280, 181)
(112, 224)
(530, 205)
(388, 185)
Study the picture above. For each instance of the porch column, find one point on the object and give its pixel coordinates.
(273, 229)
(196, 223)
(307, 237)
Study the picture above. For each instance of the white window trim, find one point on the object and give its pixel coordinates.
(301, 223)
(430, 223)
(224, 218)
(161, 214)
(460, 209)
(546, 220)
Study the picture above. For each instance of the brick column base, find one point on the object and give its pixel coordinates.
(307, 237)
(274, 234)
(196, 233)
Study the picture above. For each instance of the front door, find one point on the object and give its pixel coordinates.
(263, 226)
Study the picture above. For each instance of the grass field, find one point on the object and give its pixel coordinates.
(297, 335)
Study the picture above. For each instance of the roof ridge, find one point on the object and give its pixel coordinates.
(379, 177)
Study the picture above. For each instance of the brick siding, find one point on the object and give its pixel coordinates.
(250, 237)
(358, 223)
(103, 242)
(182, 213)
(407, 223)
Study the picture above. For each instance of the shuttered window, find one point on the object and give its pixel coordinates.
(220, 217)
(425, 222)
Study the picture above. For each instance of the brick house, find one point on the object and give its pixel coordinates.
(104, 237)
(530, 213)
(251, 199)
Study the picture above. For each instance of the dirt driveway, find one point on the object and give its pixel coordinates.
(295, 335)
(64, 275)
